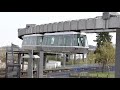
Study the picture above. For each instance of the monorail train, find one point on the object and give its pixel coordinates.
(58, 42)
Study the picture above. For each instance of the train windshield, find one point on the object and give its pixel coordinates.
(32, 40)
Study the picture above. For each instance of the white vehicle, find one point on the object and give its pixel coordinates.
(53, 64)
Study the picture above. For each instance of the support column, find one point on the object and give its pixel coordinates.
(79, 58)
(86, 59)
(44, 60)
(117, 60)
(30, 65)
(56, 57)
(23, 64)
(67, 57)
(74, 58)
(64, 60)
(19, 67)
(83, 57)
(6, 71)
(40, 65)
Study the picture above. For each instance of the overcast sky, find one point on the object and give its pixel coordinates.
(11, 21)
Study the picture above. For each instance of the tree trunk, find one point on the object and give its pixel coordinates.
(103, 68)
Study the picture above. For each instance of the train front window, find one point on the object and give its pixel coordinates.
(33, 40)
(24, 41)
(86, 42)
(81, 40)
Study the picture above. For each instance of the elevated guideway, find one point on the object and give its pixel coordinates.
(106, 23)
(109, 22)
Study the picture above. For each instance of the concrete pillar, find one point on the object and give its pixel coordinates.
(67, 57)
(30, 65)
(117, 60)
(83, 57)
(44, 60)
(23, 63)
(79, 58)
(40, 66)
(74, 58)
(19, 67)
(6, 70)
(64, 60)
(56, 57)
(33, 64)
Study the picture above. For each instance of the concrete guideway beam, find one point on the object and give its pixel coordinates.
(97, 24)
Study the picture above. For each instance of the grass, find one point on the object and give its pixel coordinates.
(102, 75)
(94, 75)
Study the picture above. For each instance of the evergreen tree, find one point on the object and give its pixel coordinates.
(101, 38)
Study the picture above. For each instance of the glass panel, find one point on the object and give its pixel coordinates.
(72, 40)
(45, 40)
(30, 40)
(86, 42)
(35, 40)
(56, 40)
(24, 40)
(48, 40)
(82, 39)
(52, 40)
(39, 40)
(60, 40)
(27, 40)
(79, 38)
(75, 40)
(64, 39)
(68, 41)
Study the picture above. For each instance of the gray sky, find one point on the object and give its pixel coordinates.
(11, 21)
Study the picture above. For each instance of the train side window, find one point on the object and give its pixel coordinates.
(68, 40)
(52, 40)
(75, 40)
(39, 40)
(60, 40)
(44, 40)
